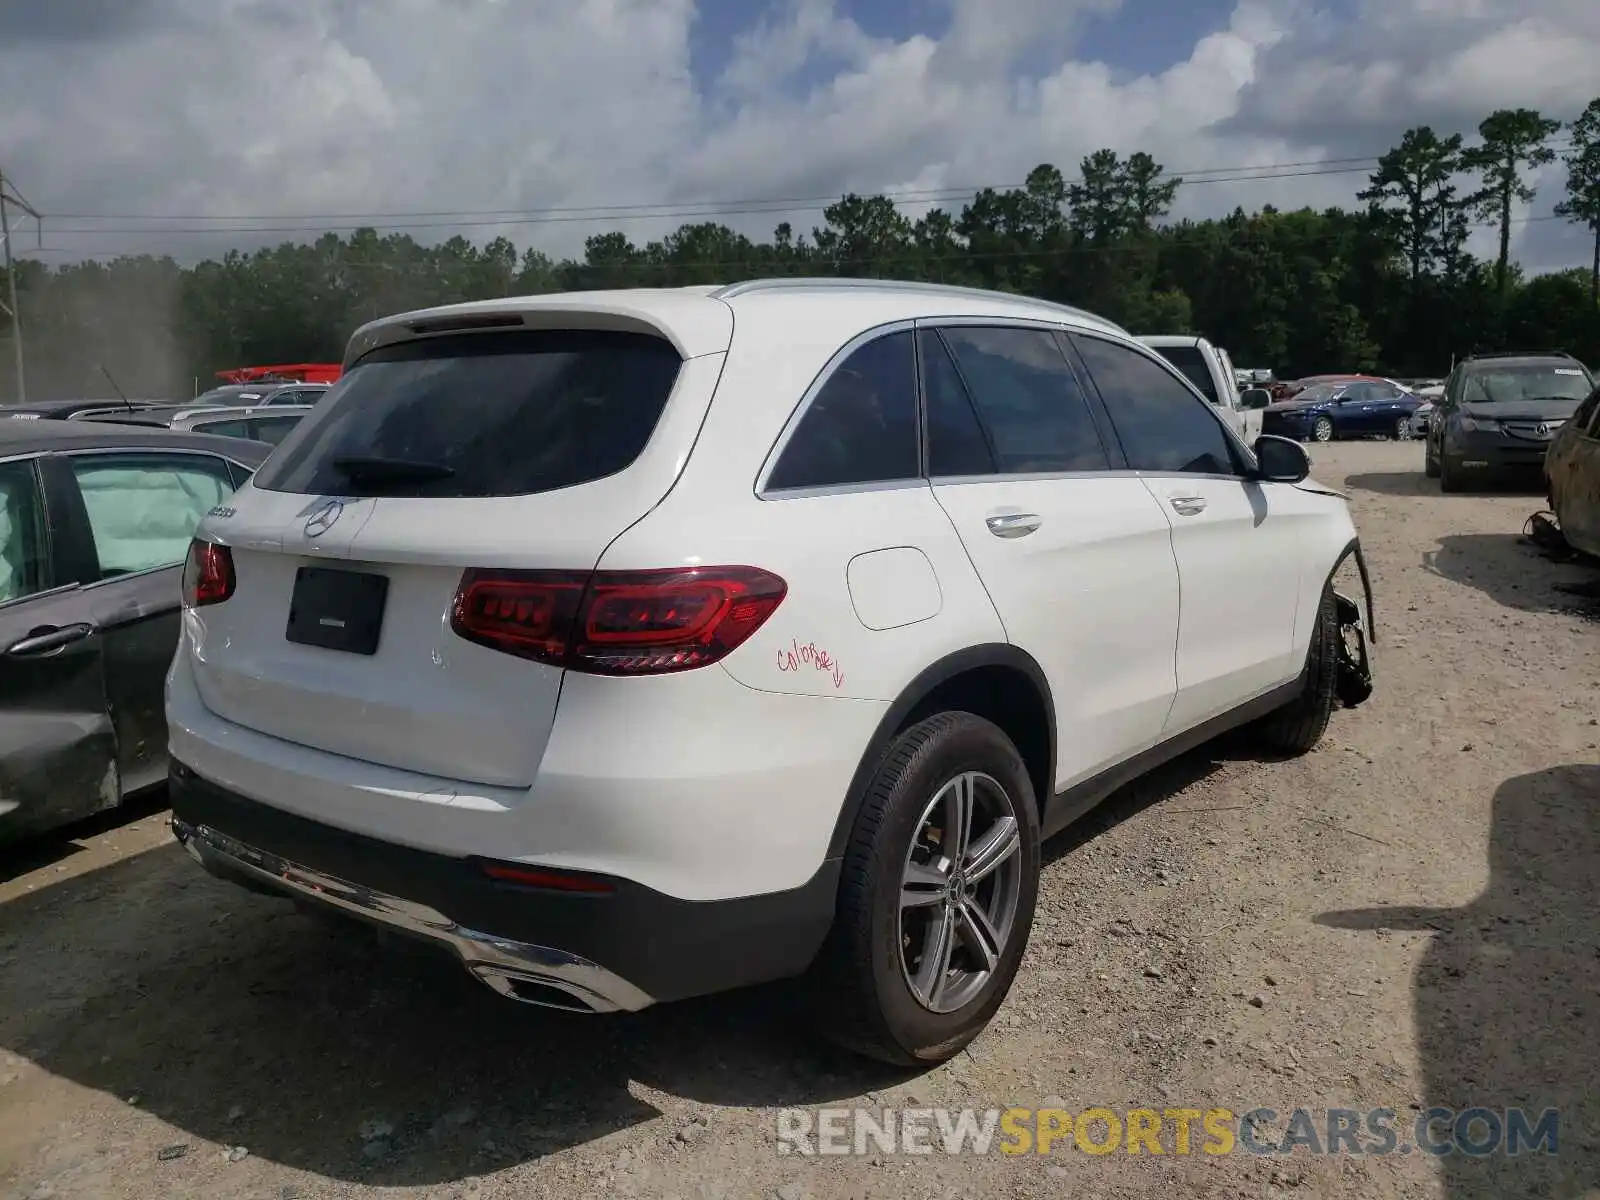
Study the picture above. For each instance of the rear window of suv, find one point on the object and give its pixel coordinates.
(481, 414)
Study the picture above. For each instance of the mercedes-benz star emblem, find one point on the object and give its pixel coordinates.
(323, 519)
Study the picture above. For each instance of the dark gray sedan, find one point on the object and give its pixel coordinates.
(95, 525)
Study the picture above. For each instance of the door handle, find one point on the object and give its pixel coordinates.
(1188, 506)
(48, 639)
(1012, 525)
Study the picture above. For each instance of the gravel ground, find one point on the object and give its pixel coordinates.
(1207, 940)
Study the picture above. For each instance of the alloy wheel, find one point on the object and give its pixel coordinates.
(959, 891)
(1323, 430)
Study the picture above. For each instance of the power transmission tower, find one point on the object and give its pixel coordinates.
(10, 196)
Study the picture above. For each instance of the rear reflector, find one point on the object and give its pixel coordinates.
(542, 877)
(208, 574)
(616, 622)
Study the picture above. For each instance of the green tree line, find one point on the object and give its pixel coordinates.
(1386, 284)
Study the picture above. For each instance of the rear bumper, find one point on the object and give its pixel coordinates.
(594, 952)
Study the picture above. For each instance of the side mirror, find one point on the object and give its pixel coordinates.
(1281, 460)
(1255, 398)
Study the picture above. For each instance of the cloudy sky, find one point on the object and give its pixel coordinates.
(155, 124)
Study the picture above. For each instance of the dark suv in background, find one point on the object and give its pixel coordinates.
(1498, 414)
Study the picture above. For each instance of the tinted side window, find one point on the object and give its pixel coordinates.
(861, 426)
(482, 414)
(1028, 399)
(957, 443)
(22, 537)
(143, 508)
(1162, 425)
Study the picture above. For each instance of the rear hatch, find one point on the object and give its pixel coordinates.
(509, 449)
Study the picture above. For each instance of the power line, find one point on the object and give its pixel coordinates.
(909, 196)
(686, 212)
(466, 218)
(681, 212)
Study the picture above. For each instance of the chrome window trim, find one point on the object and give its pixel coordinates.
(1111, 473)
(769, 464)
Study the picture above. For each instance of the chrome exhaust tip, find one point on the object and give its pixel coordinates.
(540, 991)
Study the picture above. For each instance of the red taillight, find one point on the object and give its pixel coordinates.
(616, 622)
(208, 574)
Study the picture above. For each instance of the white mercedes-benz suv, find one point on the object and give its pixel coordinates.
(637, 645)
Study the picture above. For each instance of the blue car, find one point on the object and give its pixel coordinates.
(1346, 408)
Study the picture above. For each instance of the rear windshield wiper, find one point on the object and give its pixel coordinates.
(390, 470)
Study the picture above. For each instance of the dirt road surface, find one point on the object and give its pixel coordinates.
(1208, 940)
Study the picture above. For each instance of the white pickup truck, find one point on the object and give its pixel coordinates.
(1210, 369)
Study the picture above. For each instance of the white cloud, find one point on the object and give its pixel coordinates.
(209, 108)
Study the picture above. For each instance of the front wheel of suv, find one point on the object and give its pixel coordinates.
(1298, 726)
(936, 896)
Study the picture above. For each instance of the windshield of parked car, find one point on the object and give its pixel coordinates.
(1527, 381)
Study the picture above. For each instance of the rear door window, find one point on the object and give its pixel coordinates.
(143, 508)
(485, 414)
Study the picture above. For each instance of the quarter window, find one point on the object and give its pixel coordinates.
(1162, 425)
(22, 535)
(861, 426)
(1028, 399)
(143, 508)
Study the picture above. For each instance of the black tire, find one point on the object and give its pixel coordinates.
(1403, 430)
(1323, 430)
(860, 995)
(1298, 726)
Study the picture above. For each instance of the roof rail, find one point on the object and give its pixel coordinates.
(1520, 354)
(800, 282)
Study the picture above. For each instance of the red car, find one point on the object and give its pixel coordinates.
(1287, 389)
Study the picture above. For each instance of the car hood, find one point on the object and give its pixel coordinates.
(1513, 410)
(1295, 406)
